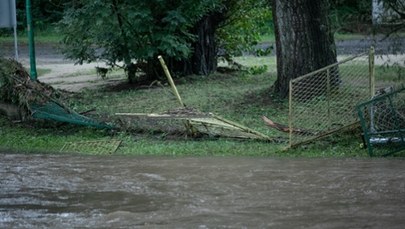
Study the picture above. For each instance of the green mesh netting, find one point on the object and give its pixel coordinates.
(36, 99)
(53, 111)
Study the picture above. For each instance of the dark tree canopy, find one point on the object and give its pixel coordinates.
(397, 19)
(122, 30)
(233, 28)
(136, 32)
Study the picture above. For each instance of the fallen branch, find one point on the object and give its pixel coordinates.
(286, 129)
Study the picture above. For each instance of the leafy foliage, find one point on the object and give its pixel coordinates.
(356, 16)
(123, 30)
(350, 16)
(246, 21)
(45, 12)
(397, 21)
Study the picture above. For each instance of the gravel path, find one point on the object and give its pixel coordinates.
(65, 74)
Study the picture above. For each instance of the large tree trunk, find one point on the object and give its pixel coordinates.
(203, 59)
(304, 40)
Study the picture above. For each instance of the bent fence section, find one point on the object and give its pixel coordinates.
(383, 122)
(324, 101)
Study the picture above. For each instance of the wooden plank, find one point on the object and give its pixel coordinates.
(162, 116)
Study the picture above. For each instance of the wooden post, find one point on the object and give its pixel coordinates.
(170, 79)
(31, 42)
(328, 97)
(187, 123)
(371, 71)
(290, 115)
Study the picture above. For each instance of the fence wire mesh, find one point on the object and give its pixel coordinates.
(383, 122)
(324, 101)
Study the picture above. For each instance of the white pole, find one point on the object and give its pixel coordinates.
(15, 43)
(14, 11)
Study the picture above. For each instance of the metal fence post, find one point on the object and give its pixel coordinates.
(31, 44)
(328, 97)
(371, 71)
(290, 113)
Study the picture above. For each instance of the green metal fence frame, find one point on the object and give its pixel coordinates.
(368, 133)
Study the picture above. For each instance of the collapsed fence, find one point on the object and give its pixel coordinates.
(198, 123)
(383, 122)
(324, 101)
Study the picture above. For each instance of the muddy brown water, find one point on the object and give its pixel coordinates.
(54, 191)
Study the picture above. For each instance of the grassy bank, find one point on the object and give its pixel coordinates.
(20, 138)
(240, 97)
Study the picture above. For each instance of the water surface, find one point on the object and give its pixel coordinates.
(108, 192)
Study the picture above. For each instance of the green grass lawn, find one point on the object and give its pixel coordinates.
(240, 97)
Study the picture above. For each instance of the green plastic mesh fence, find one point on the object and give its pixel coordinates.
(55, 112)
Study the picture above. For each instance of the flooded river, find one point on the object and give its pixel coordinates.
(44, 191)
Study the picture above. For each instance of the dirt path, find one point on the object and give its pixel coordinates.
(64, 74)
(72, 77)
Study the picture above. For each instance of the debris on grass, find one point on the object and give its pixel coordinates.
(199, 123)
(29, 99)
(286, 129)
(205, 124)
(17, 91)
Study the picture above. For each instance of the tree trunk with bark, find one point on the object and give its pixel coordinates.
(304, 40)
(203, 59)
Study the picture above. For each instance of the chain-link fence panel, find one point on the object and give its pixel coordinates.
(324, 101)
(383, 122)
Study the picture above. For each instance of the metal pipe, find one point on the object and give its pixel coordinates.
(371, 70)
(15, 43)
(31, 43)
(14, 19)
